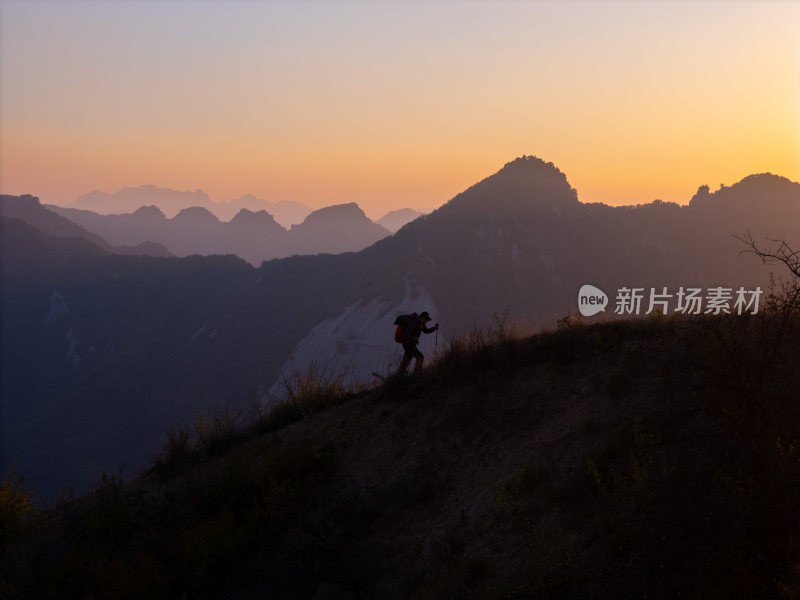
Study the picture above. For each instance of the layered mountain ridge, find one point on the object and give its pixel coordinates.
(253, 235)
(285, 212)
(28, 209)
(155, 339)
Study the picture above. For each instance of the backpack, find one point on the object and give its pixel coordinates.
(401, 321)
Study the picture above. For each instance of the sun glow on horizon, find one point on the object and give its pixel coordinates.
(395, 104)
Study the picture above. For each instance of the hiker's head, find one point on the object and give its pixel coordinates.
(425, 317)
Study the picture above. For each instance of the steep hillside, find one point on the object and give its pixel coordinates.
(653, 458)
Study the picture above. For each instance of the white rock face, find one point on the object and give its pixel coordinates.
(360, 341)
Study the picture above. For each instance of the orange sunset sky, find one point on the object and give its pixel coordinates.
(394, 104)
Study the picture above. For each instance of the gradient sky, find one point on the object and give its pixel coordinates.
(394, 104)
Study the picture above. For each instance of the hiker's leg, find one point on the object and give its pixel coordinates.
(407, 356)
(420, 358)
(404, 364)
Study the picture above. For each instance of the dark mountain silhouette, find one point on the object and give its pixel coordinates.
(30, 210)
(395, 219)
(143, 344)
(760, 200)
(529, 240)
(254, 236)
(96, 346)
(26, 247)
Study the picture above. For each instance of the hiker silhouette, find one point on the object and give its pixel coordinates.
(409, 328)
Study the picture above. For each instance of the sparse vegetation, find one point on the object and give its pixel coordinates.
(313, 389)
(649, 458)
(305, 393)
(16, 507)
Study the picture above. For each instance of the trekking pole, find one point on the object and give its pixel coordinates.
(436, 345)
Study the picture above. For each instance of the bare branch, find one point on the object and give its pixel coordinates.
(780, 253)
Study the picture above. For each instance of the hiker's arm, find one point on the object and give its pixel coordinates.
(430, 329)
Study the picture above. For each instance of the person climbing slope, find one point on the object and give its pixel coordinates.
(409, 328)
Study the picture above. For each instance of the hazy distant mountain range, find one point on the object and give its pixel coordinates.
(186, 223)
(171, 202)
(396, 219)
(102, 353)
(254, 236)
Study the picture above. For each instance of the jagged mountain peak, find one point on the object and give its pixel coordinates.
(254, 218)
(527, 181)
(533, 176)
